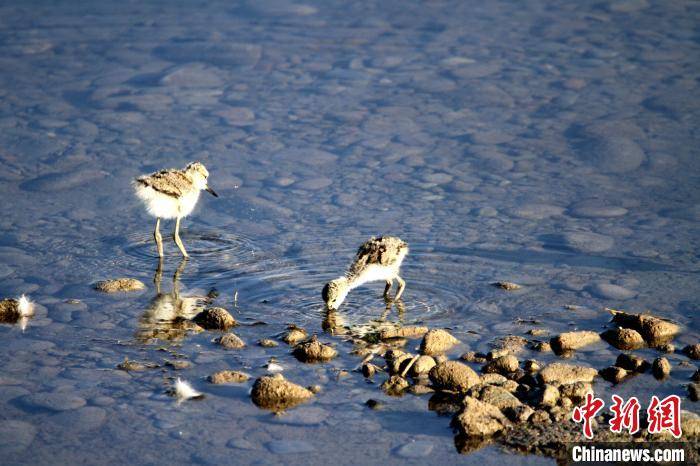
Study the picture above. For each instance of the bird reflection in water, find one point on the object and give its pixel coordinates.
(334, 323)
(168, 314)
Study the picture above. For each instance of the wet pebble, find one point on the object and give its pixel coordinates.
(597, 211)
(16, 435)
(661, 368)
(54, 401)
(230, 341)
(118, 285)
(215, 318)
(80, 420)
(437, 341)
(586, 242)
(624, 338)
(303, 416)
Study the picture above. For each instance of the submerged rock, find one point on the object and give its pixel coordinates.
(498, 397)
(215, 318)
(558, 373)
(422, 365)
(230, 341)
(228, 376)
(692, 351)
(661, 368)
(314, 351)
(471, 356)
(135, 366)
(277, 394)
(570, 341)
(508, 286)
(118, 285)
(13, 310)
(412, 331)
(614, 374)
(395, 385)
(654, 330)
(294, 335)
(267, 343)
(479, 419)
(624, 338)
(437, 341)
(453, 376)
(576, 391)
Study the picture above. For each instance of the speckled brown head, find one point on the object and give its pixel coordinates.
(335, 292)
(199, 174)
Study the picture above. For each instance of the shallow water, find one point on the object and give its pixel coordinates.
(553, 144)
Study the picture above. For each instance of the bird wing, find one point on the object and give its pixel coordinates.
(172, 183)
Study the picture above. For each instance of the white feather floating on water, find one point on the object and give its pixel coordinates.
(184, 391)
(25, 306)
(274, 368)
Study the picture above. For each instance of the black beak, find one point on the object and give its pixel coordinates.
(211, 191)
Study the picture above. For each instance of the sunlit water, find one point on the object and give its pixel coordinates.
(553, 144)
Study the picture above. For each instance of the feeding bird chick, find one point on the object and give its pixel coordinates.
(172, 194)
(377, 259)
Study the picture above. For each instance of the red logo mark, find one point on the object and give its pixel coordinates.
(665, 415)
(584, 413)
(625, 415)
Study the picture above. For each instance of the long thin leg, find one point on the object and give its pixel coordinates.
(158, 275)
(402, 285)
(178, 241)
(158, 238)
(387, 287)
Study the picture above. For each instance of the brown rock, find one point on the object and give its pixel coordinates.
(520, 413)
(570, 341)
(631, 362)
(294, 335)
(228, 377)
(479, 419)
(368, 370)
(314, 351)
(412, 331)
(576, 391)
(437, 341)
(696, 376)
(548, 396)
(230, 341)
(693, 391)
(558, 373)
(472, 356)
(624, 338)
(10, 310)
(510, 385)
(540, 416)
(493, 379)
(215, 318)
(277, 394)
(512, 344)
(613, 374)
(267, 343)
(661, 368)
(502, 365)
(422, 365)
(395, 385)
(508, 286)
(666, 348)
(541, 346)
(396, 360)
(692, 351)
(531, 365)
(453, 376)
(118, 285)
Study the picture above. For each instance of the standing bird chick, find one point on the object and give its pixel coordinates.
(377, 259)
(172, 194)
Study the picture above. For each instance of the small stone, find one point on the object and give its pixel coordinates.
(396, 360)
(693, 391)
(502, 365)
(493, 379)
(510, 385)
(420, 390)
(576, 391)
(667, 348)
(277, 394)
(479, 419)
(661, 368)
(548, 396)
(133, 366)
(294, 335)
(610, 291)
(508, 286)
(215, 318)
(613, 374)
(289, 447)
(54, 401)
(570, 341)
(520, 413)
(403, 332)
(585, 242)
(631, 362)
(537, 332)
(696, 376)
(437, 341)
(228, 376)
(540, 416)
(624, 338)
(692, 351)
(315, 389)
(230, 341)
(368, 370)
(178, 364)
(267, 343)
(16, 435)
(509, 344)
(374, 404)
(541, 346)
(395, 385)
(531, 365)
(558, 373)
(416, 449)
(314, 351)
(471, 356)
(118, 285)
(454, 376)
(422, 365)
